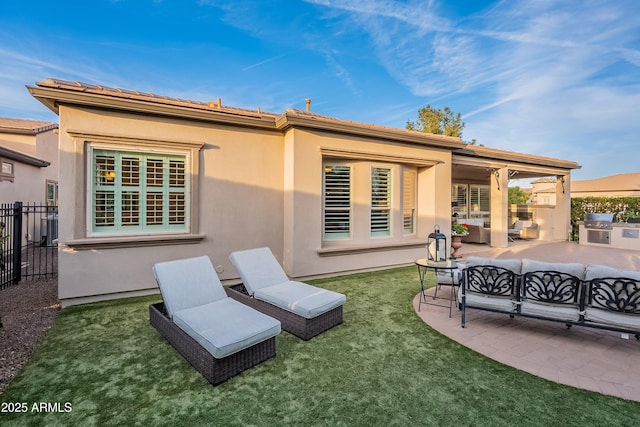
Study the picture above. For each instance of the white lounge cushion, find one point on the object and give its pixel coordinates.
(596, 271)
(572, 268)
(226, 326)
(188, 283)
(300, 298)
(443, 277)
(630, 321)
(258, 268)
(515, 265)
(552, 311)
(491, 302)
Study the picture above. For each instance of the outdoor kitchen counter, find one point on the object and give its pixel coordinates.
(621, 236)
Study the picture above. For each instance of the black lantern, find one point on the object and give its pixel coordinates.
(437, 245)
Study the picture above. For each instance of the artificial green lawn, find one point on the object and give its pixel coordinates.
(382, 366)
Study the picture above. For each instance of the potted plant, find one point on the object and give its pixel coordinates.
(458, 229)
(457, 232)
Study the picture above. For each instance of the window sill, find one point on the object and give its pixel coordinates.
(134, 241)
(350, 249)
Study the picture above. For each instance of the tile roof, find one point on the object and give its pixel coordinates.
(22, 126)
(149, 97)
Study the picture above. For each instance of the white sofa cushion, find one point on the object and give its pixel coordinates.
(443, 277)
(596, 271)
(188, 283)
(300, 298)
(552, 311)
(226, 326)
(572, 268)
(515, 265)
(612, 318)
(491, 302)
(258, 268)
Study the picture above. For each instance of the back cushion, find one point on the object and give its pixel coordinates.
(188, 283)
(572, 268)
(258, 268)
(596, 271)
(514, 265)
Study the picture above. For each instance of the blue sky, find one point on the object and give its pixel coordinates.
(546, 77)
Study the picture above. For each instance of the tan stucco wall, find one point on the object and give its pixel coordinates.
(240, 201)
(255, 188)
(305, 252)
(29, 184)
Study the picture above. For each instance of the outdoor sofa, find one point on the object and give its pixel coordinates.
(478, 233)
(524, 230)
(217, 335)
(304, 310)
(593, 296)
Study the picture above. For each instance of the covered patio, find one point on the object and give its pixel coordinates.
(480, 179)
(586, 358)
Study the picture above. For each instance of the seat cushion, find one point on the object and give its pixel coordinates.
(552, 311)
(490, 302)
(630, 321)
(300, 298)
(258, 268)
(187, 283)
(226, 326)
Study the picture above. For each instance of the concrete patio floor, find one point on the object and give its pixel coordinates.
(586, 358)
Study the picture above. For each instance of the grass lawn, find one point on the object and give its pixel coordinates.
(383, 366)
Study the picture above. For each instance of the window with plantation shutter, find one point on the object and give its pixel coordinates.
(409, 201)
(380, 201)
(459, 197)
(480, 198)
(138, 192)
(337, 201)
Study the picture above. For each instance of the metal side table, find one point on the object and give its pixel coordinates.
(423, 266)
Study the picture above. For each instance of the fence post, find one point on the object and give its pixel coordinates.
(17, 242)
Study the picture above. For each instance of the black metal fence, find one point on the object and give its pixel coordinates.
(28, 242)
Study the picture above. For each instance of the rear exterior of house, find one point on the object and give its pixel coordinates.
(150, 179)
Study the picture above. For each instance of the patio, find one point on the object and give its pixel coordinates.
(586, 358)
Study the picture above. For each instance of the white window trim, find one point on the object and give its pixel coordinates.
(351, 213)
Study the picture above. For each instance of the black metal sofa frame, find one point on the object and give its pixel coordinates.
(551, 290)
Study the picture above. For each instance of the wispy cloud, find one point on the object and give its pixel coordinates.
(261, 63)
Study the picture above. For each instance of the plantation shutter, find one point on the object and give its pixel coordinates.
(337, 201)
(459, 196)
(138, 192)
(380, 201)
(480, 199)
(409, 201)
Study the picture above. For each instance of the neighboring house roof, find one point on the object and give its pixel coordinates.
(22, 158)
(620, 182)
(25, 127)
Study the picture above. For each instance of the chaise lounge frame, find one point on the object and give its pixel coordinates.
(293, 323)
(214, 370)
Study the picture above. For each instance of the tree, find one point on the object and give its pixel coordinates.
(517, 196)
(440, 122)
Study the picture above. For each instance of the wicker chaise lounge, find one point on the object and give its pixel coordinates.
(304, 310)
(217, 335)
